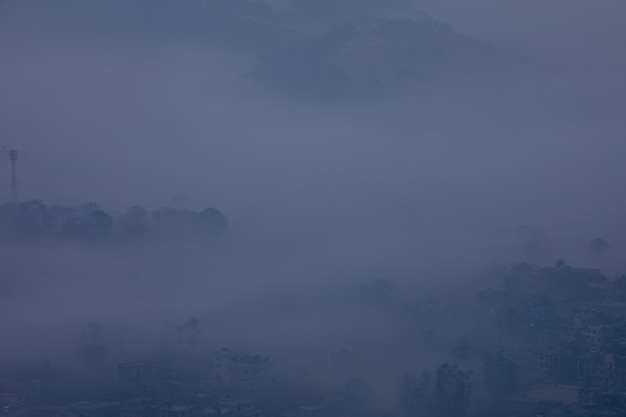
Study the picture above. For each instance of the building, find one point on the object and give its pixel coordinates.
(536, 400)
(317, 410)
(231, 408)
(542, 314)
(133, 411)
(144, 379)
(596, 369)
(525, 357)
(558, 364)
(241, 373)
(178, 411)
(598, 335)
(584, 314)
(238, 408)
(615, 310)
(141, 409)
(620, 371)
(548, 363)
(12, 400)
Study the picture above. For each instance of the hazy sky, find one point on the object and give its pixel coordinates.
(144, 124)
(434, 179)
(557, 28)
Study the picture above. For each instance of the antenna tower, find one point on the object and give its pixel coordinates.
(13, 159)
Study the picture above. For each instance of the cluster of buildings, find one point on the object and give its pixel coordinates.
(570, 348)
(240, 385)
(233, 390)
(563, 327)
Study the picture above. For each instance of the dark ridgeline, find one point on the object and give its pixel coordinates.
(313, 51)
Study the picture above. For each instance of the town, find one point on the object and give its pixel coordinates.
(556, 347)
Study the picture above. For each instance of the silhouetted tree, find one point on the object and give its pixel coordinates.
(214, 219)
(177, 223)
(560, 264)
(30, 219)
(417, 395)
(134, 222)
(71, 225)
(453, 389)
(33, 219)
(57, 217)
(89, 207)
(88, 221)
(7, 212)
(98, 224)
(599, 246)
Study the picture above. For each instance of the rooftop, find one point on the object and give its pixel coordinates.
(310, 408)
(134, 364)
(546, 393)
(181, 407)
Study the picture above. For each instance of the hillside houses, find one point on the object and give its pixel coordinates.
(575, 339)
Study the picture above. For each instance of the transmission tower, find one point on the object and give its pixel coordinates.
(13, 159)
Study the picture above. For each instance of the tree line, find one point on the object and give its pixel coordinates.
(34, 219)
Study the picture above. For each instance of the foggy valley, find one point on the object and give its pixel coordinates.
(318, 208)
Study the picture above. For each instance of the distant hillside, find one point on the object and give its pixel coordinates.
(366, 57)
(366, 54)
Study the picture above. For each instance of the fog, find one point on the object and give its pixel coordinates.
(426, 185)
